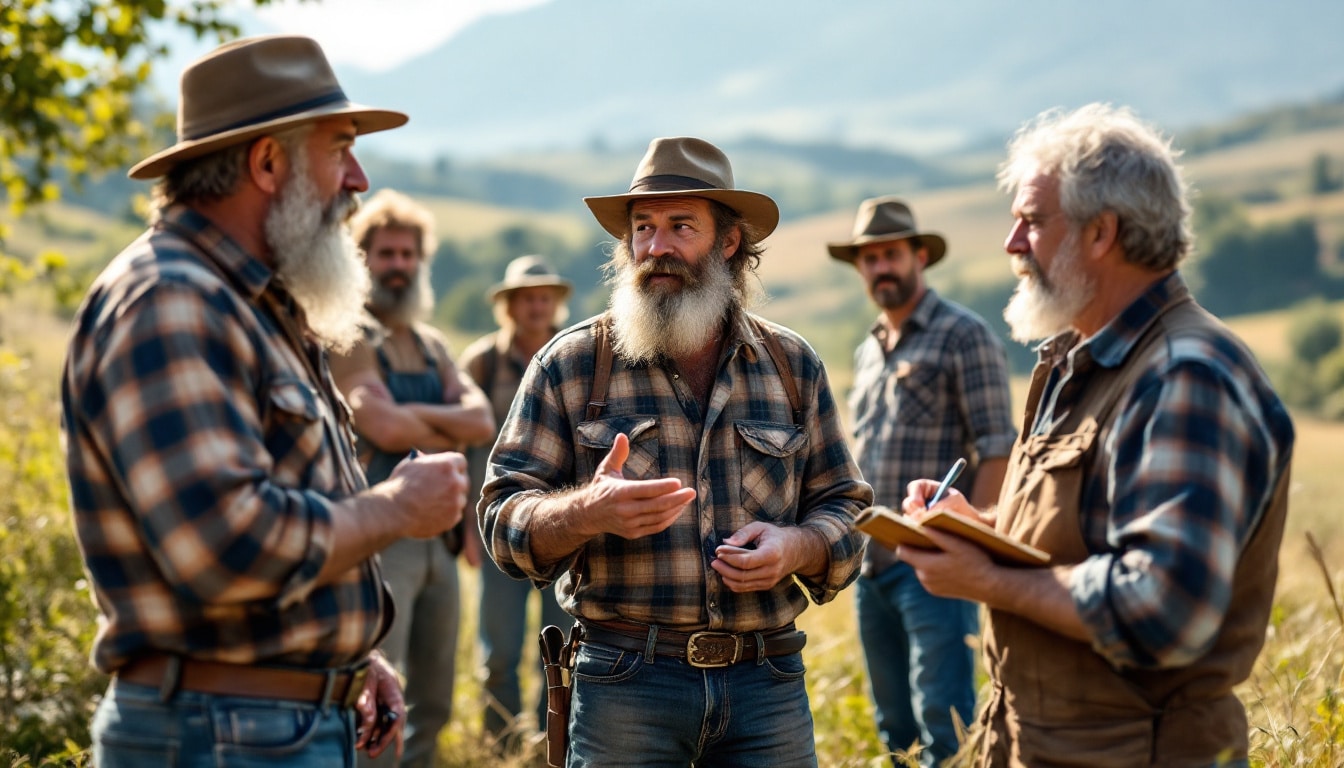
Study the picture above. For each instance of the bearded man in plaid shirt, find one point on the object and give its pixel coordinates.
(689, 511)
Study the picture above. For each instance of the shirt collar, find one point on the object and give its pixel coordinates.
(247, 271)
(1112, 344)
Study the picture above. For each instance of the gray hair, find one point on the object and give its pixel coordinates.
(215, 176)
(1106, 159)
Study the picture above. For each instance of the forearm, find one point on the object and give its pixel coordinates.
(1040, 595)
(553, 530)
(362, 526)
(464, 424)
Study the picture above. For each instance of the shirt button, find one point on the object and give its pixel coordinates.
(676, 376)
(713, 603)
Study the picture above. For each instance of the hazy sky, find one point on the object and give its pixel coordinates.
(379, 34)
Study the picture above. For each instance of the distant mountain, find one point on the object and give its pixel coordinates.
(915, 75)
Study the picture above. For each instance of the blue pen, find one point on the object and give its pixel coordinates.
(413, 455)
(952, 475)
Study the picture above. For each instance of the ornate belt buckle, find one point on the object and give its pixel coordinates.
(709, 650)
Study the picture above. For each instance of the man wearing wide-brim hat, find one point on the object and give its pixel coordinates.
(930, 386)
(226, 527)
(529, 305)
(676, 466)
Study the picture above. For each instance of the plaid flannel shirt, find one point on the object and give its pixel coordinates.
(940, 395)
(746, 459)
(203, 460)
(1196, 451)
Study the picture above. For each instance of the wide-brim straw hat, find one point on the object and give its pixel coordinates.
(681, 166)
(883, 219)
(252, 87)
(529, 272)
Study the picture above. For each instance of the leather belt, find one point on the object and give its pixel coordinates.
(703, 649)
(340, 687)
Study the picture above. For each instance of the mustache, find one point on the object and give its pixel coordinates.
(664, 267)
(387, 276)
(886, 279)
(342, 207)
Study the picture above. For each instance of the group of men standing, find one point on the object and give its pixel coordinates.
(255, 408)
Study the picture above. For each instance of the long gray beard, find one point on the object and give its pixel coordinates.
(1046, 304)
(317, 260)
(650, 325)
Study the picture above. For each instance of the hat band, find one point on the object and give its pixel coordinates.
(330, 97)
(669, 183)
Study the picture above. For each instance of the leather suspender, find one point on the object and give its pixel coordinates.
(597, 396)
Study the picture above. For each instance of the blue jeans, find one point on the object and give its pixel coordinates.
(133, 729)
(627, 710)
(421, 574)
(919, 665)
(502, 630)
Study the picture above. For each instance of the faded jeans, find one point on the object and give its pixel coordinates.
(133, 729)
(920, 667)
(502, 631)
(629, 711)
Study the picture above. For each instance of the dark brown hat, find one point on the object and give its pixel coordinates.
(882, 219)
(685, 167)
(252, 87)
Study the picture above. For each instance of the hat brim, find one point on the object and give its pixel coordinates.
(932, 243)
(500, 289)
(367, 120)
(759, 211)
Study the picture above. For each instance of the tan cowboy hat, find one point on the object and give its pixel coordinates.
(530, 272)
(882, 219)
(685, 167)
(252, 87)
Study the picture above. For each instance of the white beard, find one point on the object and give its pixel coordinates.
(652, 324)
(316, 259)
(1044, 305)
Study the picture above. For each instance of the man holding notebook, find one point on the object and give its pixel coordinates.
(1153, 468)
(930, 387)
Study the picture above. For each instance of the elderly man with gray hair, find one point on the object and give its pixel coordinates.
(1152, 466)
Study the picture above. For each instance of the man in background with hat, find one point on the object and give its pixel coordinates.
(406, 394)
(930, 386)
(677, 466)
(226, 527)
(529, 306)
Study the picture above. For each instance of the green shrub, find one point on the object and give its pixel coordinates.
(1314, 331)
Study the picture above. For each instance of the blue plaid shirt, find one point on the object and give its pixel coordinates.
(1196, 451)
(941, 394)
(744, 456)
(203, 459)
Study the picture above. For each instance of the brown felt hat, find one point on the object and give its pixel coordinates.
(529, 272)
(882, 219)
(252, 87)
(685, 167)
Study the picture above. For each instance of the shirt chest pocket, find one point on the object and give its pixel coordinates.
(597, 437)
(771, 463)
(919, 395)
(295, 433)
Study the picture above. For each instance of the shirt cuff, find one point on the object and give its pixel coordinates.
(1089, 585)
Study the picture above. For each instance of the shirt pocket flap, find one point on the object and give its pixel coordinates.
(779, 440)
(295, 398)
(1059, 452)
(602, 434)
